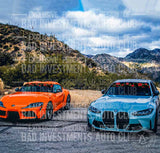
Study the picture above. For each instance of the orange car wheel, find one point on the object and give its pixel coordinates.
(49, 111)
(68, 103)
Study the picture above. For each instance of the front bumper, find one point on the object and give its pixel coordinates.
(132, 123)
(22, 114)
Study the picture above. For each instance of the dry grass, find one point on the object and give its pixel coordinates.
(1, 86)
(82, 98)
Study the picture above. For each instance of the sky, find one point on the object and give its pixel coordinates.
(115, 27)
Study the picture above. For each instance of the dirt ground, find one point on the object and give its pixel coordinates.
(82, 98)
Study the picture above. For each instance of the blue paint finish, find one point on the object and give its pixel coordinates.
(127, 104)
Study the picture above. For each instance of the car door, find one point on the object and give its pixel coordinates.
(57, 89)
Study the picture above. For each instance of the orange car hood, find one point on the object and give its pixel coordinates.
(22, 99)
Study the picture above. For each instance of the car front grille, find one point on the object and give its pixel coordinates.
(122, 120)
(108, 119)
(13, 116)
(2, 113)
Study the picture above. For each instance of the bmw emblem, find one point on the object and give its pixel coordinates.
(115, 110)
(13, 105)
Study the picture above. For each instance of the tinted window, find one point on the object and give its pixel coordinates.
(57, 88)
(36, 88)
(130, 88)
(153, 87)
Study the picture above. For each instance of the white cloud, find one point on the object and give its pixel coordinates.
(151, 45)
(121, 53)
(102, 23)
(80, 32)
(143, 7)
(91, 32)
(57, 25)
(99, 33)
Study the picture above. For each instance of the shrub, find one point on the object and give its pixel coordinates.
(5, 59)
(6, 47)
(16, 48)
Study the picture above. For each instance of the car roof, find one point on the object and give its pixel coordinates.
(133, 80)
(44, 82)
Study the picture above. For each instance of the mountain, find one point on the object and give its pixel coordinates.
(110, 64)
(156, 51)
(145, 61)
(18, 43)
(144, 55)
(142, 62)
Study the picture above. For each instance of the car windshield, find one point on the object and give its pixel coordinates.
(37, 88)
(129, 88)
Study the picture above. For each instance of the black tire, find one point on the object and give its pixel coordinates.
(49, 111)
(68, 105)
(155, 123)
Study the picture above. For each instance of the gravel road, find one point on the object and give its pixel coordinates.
(67, 132)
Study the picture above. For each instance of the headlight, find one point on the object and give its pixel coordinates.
(143, 112)
(94, 110)
(1, 104)
(34, 105)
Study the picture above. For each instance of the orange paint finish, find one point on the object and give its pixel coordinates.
(18, 101)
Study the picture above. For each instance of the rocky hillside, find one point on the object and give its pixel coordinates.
(110, 63)
(145, 61)
(19, 42)
(141, 62)
(142, 55)
(26, 55)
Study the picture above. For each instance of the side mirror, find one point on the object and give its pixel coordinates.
(103, 91)
(156, 93)
(17, 89)
(6, 93)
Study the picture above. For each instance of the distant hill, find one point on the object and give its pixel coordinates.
(141, 61)
(110, 63)
(144, 55)
(146, 61)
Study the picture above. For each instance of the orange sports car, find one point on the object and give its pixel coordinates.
(35, 100)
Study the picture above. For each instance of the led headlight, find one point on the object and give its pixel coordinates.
(1, 104)
(94, 110)
(34, 105)
(143, 112)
